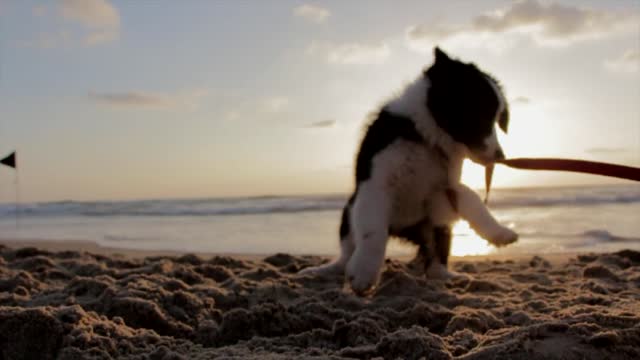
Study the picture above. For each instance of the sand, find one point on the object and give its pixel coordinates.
(85, 305)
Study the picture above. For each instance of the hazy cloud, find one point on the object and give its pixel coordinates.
(48, 40)
(131, 99)
(231, 115)
(99, 23)
(433, 32)
(275, 103)
(627, 62)
(312, 13)
(359, 54)
(606, 150)
(99, 17)
(147, 99)
(97, 37)
(521, 100)
(351, 53)
(322, 124)
(91, 13)
(548, 24)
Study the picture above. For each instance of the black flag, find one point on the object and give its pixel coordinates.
(10, 160)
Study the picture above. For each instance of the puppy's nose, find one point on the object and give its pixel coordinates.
(499, 155)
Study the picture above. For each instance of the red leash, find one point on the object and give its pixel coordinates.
(581, 166)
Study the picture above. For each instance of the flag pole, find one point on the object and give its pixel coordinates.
(10, 161)
(17, 205)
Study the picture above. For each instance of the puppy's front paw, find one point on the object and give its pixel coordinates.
(362, 275)
(504, 236)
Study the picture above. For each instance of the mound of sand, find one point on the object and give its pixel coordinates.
(77, 305)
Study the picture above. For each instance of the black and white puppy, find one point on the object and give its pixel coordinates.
(408, 171)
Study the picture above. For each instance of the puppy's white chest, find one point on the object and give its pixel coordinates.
(411, 174)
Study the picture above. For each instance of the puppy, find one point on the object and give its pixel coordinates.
(408, 171)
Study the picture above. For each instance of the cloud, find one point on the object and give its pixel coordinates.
(359, 54)
(322, 124)
(231, 115)
(91, 13)
(627, 62)
(549, 24)
(147, 99)
(99, 17)
(521, 100)
(48, 40)
(89, 22)
(606, 150)
(351, 53)
(97, 37)
(275, 103)
(312, 13)
(132, 99)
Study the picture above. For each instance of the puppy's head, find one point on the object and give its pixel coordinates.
(467, 104)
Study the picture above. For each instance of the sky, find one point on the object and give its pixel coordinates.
(107, 99)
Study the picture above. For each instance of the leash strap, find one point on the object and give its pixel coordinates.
(580, 166)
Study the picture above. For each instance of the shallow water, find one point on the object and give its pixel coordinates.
(549, 220)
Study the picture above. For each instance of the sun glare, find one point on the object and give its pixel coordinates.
(527, 131)
(473, 175)
(467, 242)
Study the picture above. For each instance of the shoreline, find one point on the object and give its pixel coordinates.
(96, 248)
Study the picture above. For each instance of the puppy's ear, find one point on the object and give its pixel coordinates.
(503, 122)
(441, 56)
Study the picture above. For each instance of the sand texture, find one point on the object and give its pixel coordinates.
(77, 305)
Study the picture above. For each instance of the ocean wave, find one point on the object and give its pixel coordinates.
(187, 208)
(593, 235)
(566, 200)
(501, 199)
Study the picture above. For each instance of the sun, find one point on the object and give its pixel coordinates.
(472, 175)
(528, 130)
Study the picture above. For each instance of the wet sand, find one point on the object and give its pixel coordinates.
(88, 303)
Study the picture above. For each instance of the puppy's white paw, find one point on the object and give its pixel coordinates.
(502, 237)
(362, 274)
(333, 268)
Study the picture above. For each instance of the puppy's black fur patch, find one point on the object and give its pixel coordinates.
(345, 226)
(454, 83)
(383, 131)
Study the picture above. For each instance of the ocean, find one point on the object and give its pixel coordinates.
(549, 220)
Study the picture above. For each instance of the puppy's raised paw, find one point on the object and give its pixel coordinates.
(504, 236)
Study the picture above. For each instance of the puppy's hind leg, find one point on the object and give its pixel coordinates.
(438, 238)
(370, 217)
(437, 245)
(346, 247)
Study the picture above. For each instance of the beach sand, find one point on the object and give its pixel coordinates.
(79, 301)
